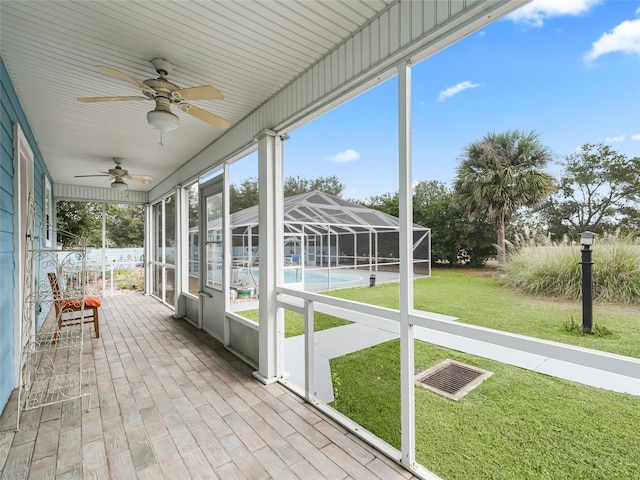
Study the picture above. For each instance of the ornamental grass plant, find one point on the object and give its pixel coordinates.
(555, 271)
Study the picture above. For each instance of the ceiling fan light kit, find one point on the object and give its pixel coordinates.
(119, 185)
(163, 120)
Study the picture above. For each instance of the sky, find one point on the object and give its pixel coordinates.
(568, 70)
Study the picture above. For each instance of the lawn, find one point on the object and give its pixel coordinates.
(479, 298)
(518, 424)
(294, 322)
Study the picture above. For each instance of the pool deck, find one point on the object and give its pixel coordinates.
(362, 280)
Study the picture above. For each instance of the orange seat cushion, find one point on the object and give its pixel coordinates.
(88, 302)
(92, 302)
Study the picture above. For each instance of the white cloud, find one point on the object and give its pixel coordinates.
(451, 91)
(619, 138)
(623, 38)
(343, 157)
(636, 137)
(535, 13)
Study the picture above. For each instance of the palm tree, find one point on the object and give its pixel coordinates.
(500, 174)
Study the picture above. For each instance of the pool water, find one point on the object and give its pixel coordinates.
(315, 276)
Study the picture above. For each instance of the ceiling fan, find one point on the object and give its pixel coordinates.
(164, 93)
(118, 174)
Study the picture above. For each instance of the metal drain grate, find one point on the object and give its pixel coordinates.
(452, 379)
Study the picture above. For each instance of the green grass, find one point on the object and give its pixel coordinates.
(294, 322)
(518, 424)
(478, 297)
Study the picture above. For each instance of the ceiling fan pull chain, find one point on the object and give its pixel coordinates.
(161, 144)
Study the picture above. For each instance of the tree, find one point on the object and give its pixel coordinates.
(296, 185)
(81, 219)
(500, 174)
(599, 191)
(454, 237)
(125, 225)
(246, 195)
(387, 203)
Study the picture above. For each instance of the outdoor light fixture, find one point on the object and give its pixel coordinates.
(587, 239)
(119, 185)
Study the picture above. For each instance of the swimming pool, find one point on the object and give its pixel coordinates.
(292, 275)
(322, 276)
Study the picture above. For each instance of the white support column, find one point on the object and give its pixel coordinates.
(148, 240)
(104, 249)
(181, 236)
(228, 239)
(408, 423)
(271, 256)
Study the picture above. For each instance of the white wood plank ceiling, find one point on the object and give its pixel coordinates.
(275, 61)
(247, 49)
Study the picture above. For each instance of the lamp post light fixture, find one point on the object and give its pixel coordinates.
(587, 240)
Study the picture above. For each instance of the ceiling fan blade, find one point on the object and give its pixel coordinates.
(205, 116)
(80, 176)
(109, 99)
(204, 92)
(143, 179)
(126, 78)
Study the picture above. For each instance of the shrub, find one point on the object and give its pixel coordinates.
(555, 271)
(574, 327)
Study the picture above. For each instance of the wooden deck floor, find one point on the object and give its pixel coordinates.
(169, 402)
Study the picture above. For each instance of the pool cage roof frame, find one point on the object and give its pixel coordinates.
(318, 213)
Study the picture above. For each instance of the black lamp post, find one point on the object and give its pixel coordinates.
(587, 239)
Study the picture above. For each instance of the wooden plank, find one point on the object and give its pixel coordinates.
(18, 461)
(218, 422)
(277, 443)
(44, 468)
(47, 439)
(143, 454)
(244, 432)
(169, 458)
(243, 459)
(316, 457)
(94, 460)
(70, 451)
(115, 440)
(210, 445)
(274, 465)
(91, 426)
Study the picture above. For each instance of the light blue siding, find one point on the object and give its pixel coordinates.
(10, 113)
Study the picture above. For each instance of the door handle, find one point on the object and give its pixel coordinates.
(206, 294)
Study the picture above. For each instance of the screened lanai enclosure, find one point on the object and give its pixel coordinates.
(328, 243)
(278, 67)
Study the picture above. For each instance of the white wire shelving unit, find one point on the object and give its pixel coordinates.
(51, 368)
